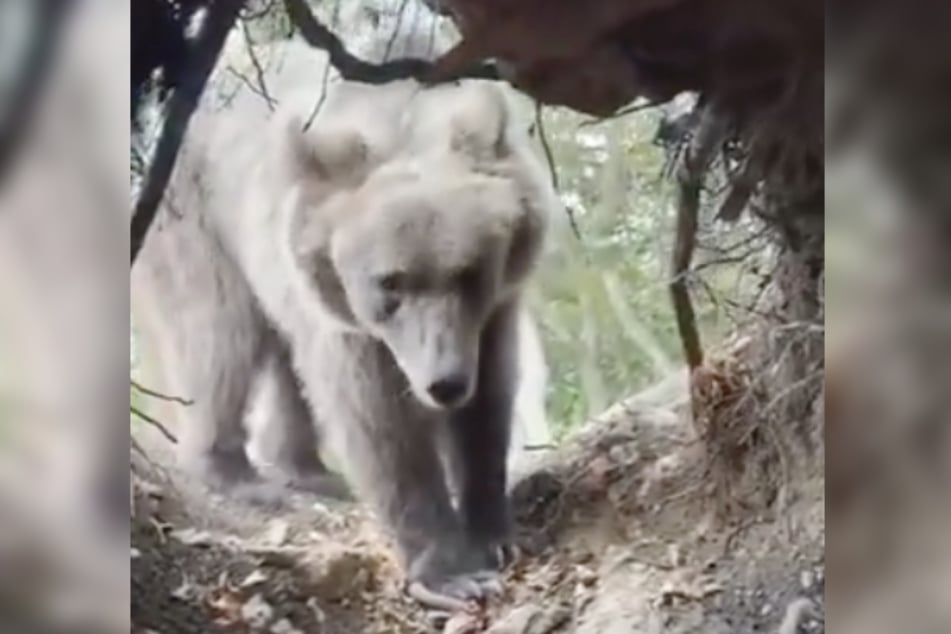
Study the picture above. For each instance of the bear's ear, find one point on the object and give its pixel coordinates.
(325, 280)
(310, 250)
(479, 124)
(338, 155)
(528, 236)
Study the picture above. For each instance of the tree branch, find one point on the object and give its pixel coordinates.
(355, 69)
(154, 422)
(693, 166)
(201, 61)
(160, 395)
(550, 157)
(258, 68)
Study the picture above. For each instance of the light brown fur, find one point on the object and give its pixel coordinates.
(378, 256)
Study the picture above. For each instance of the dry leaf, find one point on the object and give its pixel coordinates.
(466, 623)
(226, 606)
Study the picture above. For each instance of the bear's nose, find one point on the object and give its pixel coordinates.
(449, 390)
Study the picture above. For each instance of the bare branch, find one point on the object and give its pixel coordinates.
(258, 69)
(550, 157)
(396, 29)
(540, 447)
(354, 69)
(159, 395)
(154, 422)
(250, 85)
(201, 61)
(325, 80)
(693, 166)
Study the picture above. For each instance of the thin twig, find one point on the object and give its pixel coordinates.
(320, 101)
(396, 30)
(552, 168)
(539, 447)
(543, 137)
(137, 448)
(258, 69)
(201, 61)
(324, 80)
(354, 69)
(154, 422)
(159, 395)
(250, 85)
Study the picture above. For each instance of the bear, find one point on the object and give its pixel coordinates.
(366, 252)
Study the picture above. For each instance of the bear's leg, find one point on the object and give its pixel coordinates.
(211, 340)
(285, 436)
(479, 437)
(387, 442)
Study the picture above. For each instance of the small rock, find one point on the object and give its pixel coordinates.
(256, 612)
(186, 591)
(518, 621)
(806, 579)
(617, 454)
(277, 532)
(798, 611)
(316, 610)
(284, 626)
(335, 573)
(465, 623)
(675, 556)
(192, 537)
(586, 576)
(766, 609)
(531, 619)
(257, 576)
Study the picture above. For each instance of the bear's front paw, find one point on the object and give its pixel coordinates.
(232, 476)
(454, 577)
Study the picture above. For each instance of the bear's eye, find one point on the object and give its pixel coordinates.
(469, 279)
(388, 306)
(392, 282)
(393, 287)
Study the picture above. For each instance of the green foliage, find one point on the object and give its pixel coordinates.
(602, 301)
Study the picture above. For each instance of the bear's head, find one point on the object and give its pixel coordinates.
(431, 242)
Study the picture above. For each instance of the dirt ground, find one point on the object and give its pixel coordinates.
(618, 532)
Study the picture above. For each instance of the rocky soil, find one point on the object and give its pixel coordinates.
(618, 528)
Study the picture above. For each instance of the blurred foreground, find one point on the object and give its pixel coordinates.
(888, 403)
(64, 312)
(64, 320)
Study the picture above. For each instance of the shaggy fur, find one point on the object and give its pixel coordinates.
(368, 265)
